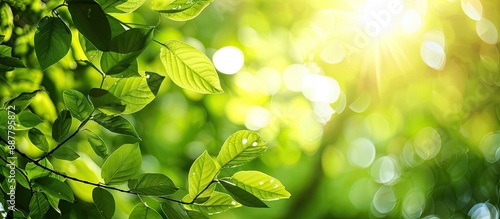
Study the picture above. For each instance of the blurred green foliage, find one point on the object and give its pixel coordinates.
(369, 108)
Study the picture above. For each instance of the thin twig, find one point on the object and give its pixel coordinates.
(67, 139)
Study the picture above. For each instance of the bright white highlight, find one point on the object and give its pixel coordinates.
(487, 31)
(319, 88)
(257, 117)
(228, 60)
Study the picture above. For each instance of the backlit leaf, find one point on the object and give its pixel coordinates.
(22, 100)
(122, 164)
(181, 10)
(105, 101)
(141, 211)
(116, 124)
(55, 188)
(34, 171)
(104, 202)
(152, 184)
(78, 104)
(38, 139)
(54, 202)
(202, 172)
(261, 185)
(241, 147)
(39, 205)
(195, 215)
(96, 142)
(90, 20)
(135, 92)
(52, 41)
(217, 203)
(242, 196)
(61, 126)
(120, 6)
(132, 40)
(189, 68)
(120, 65)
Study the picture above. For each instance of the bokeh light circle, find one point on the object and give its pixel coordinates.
(228, 60)
(361, 152)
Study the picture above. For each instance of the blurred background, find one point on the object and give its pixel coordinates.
(371, 108)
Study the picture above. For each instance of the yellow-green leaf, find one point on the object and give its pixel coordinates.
(202, 172)
(122, 164)
(241, 147)
(217, 203)
(189, 68)
(261, 185)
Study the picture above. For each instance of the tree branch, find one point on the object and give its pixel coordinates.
(65, 140)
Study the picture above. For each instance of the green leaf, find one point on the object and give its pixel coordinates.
(262, 186)
(28, 119)
(152, 184)
(38, 206)
(65, 153)
(241, 147)
(55, 188)
(52, 41)
(54, 202)
(78, 104)
(217, 203)
(136, 92)
(104, 202)
(182, 10)
(116, 124)
(120, 6)
(242, 196)
(141, 211)
(38, 139)
(7, 62)
(61, 126)
(91, 22)
(170, 212)
(33, 171)
(119, 65)
(202, 172)
(105, 101)
(96, 142)
(22, 100)
(132, 40)
(122, 164)
(189, 68)
(195, 215)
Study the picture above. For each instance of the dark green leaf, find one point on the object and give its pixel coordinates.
(33, 171)
(154, 81)
(38, 139)
(39, 205)
(262, 186)
(55, 188)
(242, 196)
(104, 202)
(120, 6)
(65, 153)
(152, 184)
(132, 40)
(91, 22)
(120, 65)
(28, 119)
(196, 215)
(202, 172)
(105, 101)
(97, 144)
(182, 10)
(241, 147)
(170, 212)
(116, 124)
(122, 164)
(61, 126)
(141, 211)
(189, 68)
(52, 41)
(135, 92)
(217, 203)
(78, 104)
(22, 100)
(54, 202)
(7, 60)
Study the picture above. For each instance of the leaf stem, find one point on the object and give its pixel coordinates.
(67, 139)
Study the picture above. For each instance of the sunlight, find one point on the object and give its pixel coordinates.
(228, 60)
